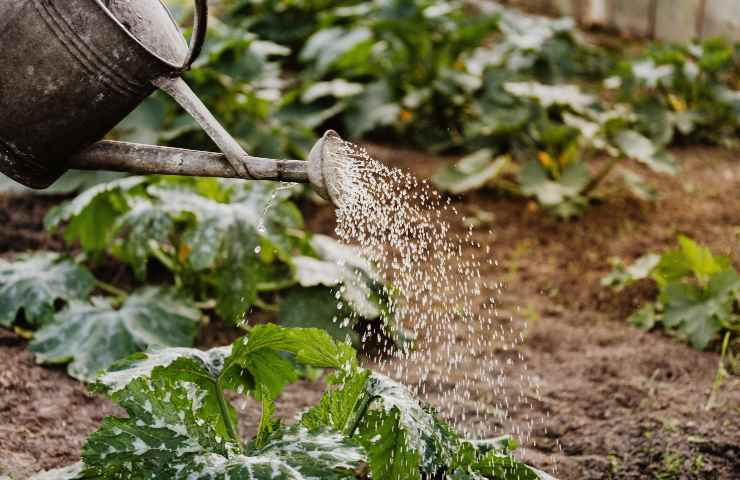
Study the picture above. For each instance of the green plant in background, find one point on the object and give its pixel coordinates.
(492, 83)
(552, 132)
(685, 93)
(396, 68)
(181, 425)
(699, 293)
(240, 78)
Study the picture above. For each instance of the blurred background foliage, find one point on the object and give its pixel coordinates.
(531, 98)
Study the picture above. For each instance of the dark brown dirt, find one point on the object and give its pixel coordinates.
(614, 402)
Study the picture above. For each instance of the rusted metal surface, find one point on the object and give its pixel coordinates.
(69, 72)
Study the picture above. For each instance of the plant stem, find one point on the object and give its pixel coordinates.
(107, 287)
(224, 407)
(164, 259)
(206, 305)
(509, 186)
(265, 306)
(276, 285)
(721, 374)
(354, 420)
(600, 175)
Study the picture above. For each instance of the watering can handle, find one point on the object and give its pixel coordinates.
(200, 25)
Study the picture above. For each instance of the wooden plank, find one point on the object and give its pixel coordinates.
(632, 17)
(676, 20)
(721, 19)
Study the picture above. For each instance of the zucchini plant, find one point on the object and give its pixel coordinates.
(684, 93)
(699, 293)
(226, 246)
(180, 424)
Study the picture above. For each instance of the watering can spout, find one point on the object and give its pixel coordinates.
(320, 171)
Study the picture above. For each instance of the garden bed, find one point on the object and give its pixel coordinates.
(614, 401)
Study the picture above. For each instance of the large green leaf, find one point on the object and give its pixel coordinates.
(316, 307)
(255, 362)
(316, 454)
(241, 241)
(396, 426)
(418, 430)
(327, 46)
(471, 172)
(33, 283)
(690, 259)
(385, 431)
(563, 194)
(392, 424)
(385, 439)
(639, 147)
(145, 223)
(342, 404)
(175, 425)
(91, 215)
(178, 421)
(342, 266)
(699, 313)
(91, 336)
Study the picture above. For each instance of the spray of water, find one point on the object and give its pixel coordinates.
(442, 293)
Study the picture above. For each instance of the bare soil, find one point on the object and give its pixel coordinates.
(614, 402)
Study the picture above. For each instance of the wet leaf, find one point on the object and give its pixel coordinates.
(32, 284)
(419, 433)
(316, 454)
(255, 361)
(175, 424)
(342, 266)
(91, 336)
(388, 447)
(342, 404)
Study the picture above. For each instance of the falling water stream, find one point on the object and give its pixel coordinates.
(442, 294)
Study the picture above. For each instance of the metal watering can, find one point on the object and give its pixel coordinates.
(70, 70)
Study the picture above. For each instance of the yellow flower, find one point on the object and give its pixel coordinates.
(678, 103)
(184, 252)
(545, 159)
(405, 116)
